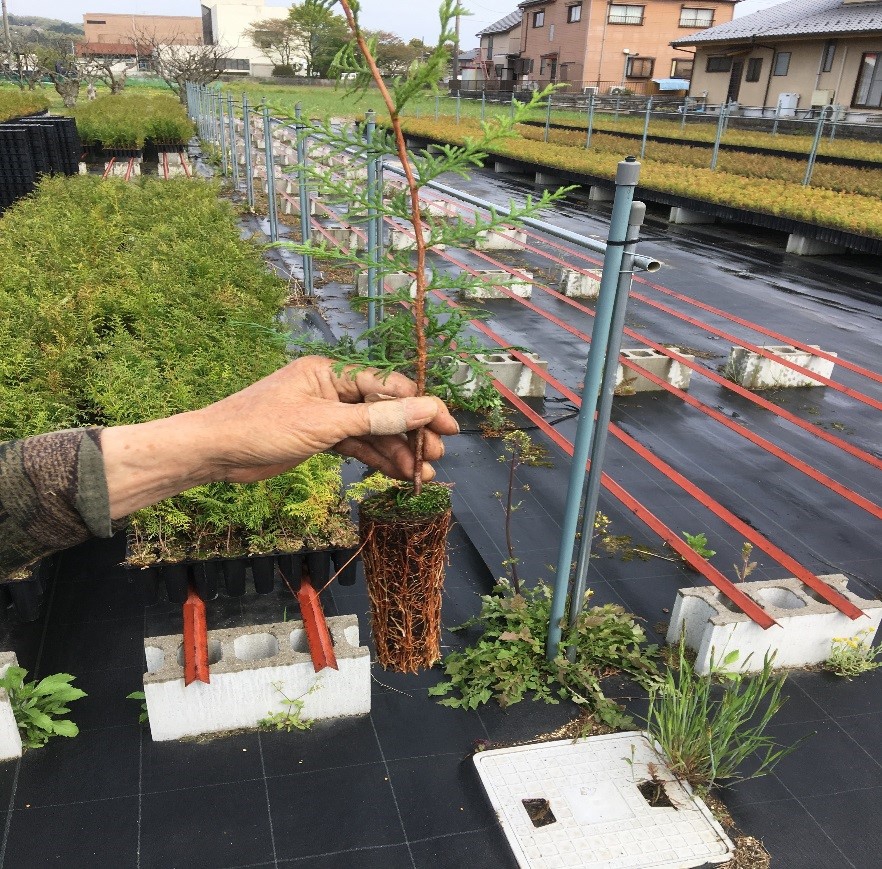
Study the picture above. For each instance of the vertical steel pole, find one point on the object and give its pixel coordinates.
(272, 205)
(249, 164)
(685, 112)
(511, 111)
(234, 157)
(378, 232)
(618, 105)
(813, 155)
(305, 201)
(721, 123)
(646, 128)
(627, 175)
(590, 120)
(458, 105)
(483, 103)
(223, 133)
(372, 289)
(777, 118)
(548, 118)
(437, 105)
(604, 411)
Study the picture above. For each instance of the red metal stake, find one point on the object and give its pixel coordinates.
(195, 640)
(317, 634)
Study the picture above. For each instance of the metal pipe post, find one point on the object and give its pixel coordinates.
(249, 165)
(604, 411)
(627, 175)
(548, 118)
(813, 155)
(685, 112)
(458, 105)
(511, 111)
(378, 234)
(437, 105)
(223, 133)
(372, 289)
(305, 202)
(777, 117)
(483, 103)
(646, 128)
(231, 127)
(720, 126)
(272, 205)
(618, 106)
(590, 121)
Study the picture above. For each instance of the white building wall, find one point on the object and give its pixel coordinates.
(229, 21)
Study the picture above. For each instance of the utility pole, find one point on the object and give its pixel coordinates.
(455, 51)
(6, 36)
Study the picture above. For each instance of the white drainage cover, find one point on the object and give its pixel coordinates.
(605, 801)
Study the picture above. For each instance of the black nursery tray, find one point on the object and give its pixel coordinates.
(211, 575)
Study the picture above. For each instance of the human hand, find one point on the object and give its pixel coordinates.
(305, 408)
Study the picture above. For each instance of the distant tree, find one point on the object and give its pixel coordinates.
(176, 63)
(57, 58)
(278, 39)
(393, 55)
(23, 61)
(112, 69)
(320, 34)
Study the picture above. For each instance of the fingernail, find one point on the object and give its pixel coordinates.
(457, 426)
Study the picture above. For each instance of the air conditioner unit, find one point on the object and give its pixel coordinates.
(590, 91)
(821, 98)
(500, 59)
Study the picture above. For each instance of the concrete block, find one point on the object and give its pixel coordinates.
(630, 380)
(403, 239)
(576, 285)
(344, 236)
(547, 179)
(249, 667)
(121, 167)
(804, 635)
(10, 738)
(752, 371)
(502, 166)
(600, 193)
(519, 287)
(437, 208)
(688, 217)
(290, 203)
(802, 246)
(393, 283)
(507, 238)
(83, 169)
(511, 372)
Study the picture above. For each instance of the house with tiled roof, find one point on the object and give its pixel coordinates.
(501, 52)
(793, 58)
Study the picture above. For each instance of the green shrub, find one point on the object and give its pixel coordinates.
(17, 104)
(128, 121)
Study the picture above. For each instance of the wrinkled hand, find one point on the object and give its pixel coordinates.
(304, 409)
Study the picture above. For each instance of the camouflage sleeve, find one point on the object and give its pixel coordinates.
(53, 494)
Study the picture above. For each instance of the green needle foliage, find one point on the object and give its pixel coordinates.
(128, 121)
(507, 663)
(38, 706)
(17, 104)
(392, 344)
(711, 726)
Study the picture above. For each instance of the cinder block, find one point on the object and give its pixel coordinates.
(121, 167)
(250, 668)
(10, 738)
(803, 246)
(577, 285)
(393, 282)
(688, 217)
(601, 193)
(437, 207)
(83, 169)
(506, 238)
(511, 372)
(752, 371)
(345, 237)
(290, 203)
(807, 625)
(630, 380)
(403, 239)
(519, 287)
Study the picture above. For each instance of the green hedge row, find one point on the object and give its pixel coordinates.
(15, 103)
(129, 120)
(123, 302)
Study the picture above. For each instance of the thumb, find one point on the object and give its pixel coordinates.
(398, 415)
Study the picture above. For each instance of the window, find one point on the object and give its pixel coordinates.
(782, 63)
(574, 13)
(548, 67)
(94, 21)
(718, 63)
(868, 92)
(639, 67)
(754, 69)
(233, 63)
(551, 33)
(691, 17)
(829, 54)
(682, 68)
(489, 48)
(620, 14)
(539, 18)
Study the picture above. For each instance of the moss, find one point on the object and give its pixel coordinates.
(400, 502)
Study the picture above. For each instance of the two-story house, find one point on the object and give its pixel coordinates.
(612, 46)
(795, 58)
(502, 68)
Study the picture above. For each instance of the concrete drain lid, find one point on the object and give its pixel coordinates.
(606, 801)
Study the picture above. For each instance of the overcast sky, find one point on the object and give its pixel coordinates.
(407, 18)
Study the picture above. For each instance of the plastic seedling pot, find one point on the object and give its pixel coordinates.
(234, 576)
(318, 565)
(347, 574)
(177, 581)
(263, 571)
